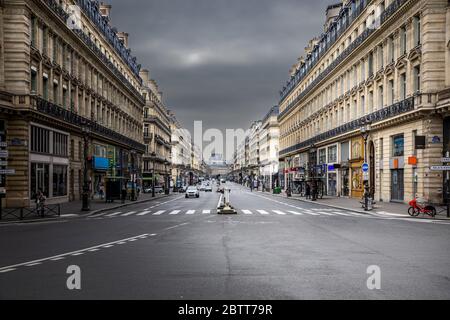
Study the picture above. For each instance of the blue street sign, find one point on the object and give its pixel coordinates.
(365, 167)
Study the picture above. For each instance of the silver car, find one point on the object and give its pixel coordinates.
(192, 192)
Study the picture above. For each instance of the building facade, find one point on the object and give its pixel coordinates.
(380, 68)
(269, 149)
(157, 136)
(70, 101)
(181, 153)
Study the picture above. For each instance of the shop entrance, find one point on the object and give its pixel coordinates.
(372, 169)
(397, 186)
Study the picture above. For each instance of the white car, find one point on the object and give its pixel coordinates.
(208, 188)
(192, 192)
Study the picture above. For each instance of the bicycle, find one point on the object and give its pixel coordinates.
(416, 208)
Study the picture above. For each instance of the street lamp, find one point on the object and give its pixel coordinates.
(86, 129)
(365, 132)
(312, 164)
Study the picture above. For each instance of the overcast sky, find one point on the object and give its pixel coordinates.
(219, 61)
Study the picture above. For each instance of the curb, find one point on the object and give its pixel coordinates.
(78, 216)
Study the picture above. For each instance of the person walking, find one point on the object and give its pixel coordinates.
(251, 186)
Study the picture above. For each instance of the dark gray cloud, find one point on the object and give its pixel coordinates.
(220, 61)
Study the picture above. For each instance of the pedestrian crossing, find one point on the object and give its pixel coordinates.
(246, 212)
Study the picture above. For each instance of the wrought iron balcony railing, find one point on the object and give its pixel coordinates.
(374, 117)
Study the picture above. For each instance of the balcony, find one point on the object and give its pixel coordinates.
(393, 7)
(158, 122)
(72, 118)
(377, 116)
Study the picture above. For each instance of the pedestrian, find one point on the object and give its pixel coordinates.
(251, 186)
(255, 184)
(40, 203)
(102, 191)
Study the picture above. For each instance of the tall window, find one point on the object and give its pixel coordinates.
(380, 97)
(33, 31)
(370, 106)
(403, 86)
(403, 40)
(40, 140)
(391, 92)
(363, 105)
(55, 93)
(55, 49)
(59, 181)
(363, 70)
(45, 40)
(370, 64)
(391, 49)
(417, 79)
(60, 144)
(64, 97)
(33, 80)
(398, 146)
(416, 29)
(45, 87)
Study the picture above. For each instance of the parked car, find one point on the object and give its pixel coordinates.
(182, 189)
(192, 192)
(220, 189)
(202, 187)
(158, 189)
(208, 188)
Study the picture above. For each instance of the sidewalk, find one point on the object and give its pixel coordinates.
(388, 209)
(73, 209)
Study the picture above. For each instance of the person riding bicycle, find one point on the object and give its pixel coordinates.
(40, 202)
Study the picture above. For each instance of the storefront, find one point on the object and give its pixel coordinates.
(344, 169)
(446, 152)
(397, 165)
(356, 162)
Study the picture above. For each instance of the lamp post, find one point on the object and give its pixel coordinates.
(365, 132)
(167, 183)
(85, 195)
(313, 154)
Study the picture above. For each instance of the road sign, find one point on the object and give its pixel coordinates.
(366, 176)
(365, 167)
(445, 159)
(3, 153)
(440, 168)
(8, 171)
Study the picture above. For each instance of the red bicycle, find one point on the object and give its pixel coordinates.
(417, 208)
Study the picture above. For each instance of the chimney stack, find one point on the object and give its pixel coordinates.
(105, 10)
(123, 36)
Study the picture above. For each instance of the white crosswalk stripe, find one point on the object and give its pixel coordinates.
(206, 211)
(325, 213)
(113, 214)
(296, 213)
(128, 213)
(190, 212)
(263, 211)
(247, 212)
(279, 212)
(158, 213)
(311, 213)
(175, 212)
(143, 213)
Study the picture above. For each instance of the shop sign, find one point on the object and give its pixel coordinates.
(436, 139)
(440, 168)
(445, 160)
(8, 171)
(331, 167)
(100, 163)
(420, 142)
(412, 160)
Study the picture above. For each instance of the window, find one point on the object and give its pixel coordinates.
(40, 140)
(403, 86)
(45, 40)
(322, 156)
(370, 64)
(380, 57)
(55, 93)
(391, 92)
(64, 98)
(59, 181)
(370, 106)
(363, 105)
(417, 79)
(345, 151)
(33, 80)
(398, 148)
(381, 149)
(391, 49)
(380, 97)
(55, 50)
(72, 149)
(39, 179)
(403, 40)
(80, 151)
(416, 28)
(33, 31)
(332, 154)
(100, 151)
(60, 144)
(45, 87)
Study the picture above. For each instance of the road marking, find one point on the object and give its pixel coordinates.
(326, 213)
(341, 214)
(247, 212)
(177, 226)
(206, 211)
(279, 212)
(296, 213)
(143, 213)
(220, 201)
(113, 214)
(63, 255)
(128, 213)
(93, 250)
(175, 212)
(57, 259)
(33, 264)
(158, 213)
(7, 270)
(263, 211)
(190, 212)
(311, 213)
(78, 254)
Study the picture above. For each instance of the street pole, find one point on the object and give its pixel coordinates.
(447, 155)
(153, 176)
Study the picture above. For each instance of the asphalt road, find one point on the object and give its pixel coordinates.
(274, 248)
